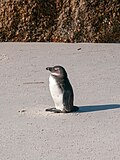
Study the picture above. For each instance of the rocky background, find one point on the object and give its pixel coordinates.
(60, 20)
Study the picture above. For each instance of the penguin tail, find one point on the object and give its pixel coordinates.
(75, 109)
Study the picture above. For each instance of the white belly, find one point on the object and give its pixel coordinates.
(56, 93)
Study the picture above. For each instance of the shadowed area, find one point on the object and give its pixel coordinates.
(94, 108)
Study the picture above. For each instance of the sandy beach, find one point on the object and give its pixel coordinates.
(27, 132)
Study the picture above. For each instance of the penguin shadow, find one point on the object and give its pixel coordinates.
(95, 108)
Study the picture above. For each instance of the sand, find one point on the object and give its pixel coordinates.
(27, 132)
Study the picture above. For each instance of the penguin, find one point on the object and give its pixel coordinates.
(61, 91)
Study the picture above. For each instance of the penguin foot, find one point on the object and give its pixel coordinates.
(54, 110)
(75, 108)
(50, 109)
(58, 111)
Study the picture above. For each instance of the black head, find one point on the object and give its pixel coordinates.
(57, 71)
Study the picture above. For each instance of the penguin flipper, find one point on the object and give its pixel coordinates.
(68, 101)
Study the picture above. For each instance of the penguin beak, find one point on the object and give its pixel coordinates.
(49, 68)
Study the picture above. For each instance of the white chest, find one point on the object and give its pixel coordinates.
(56, 93)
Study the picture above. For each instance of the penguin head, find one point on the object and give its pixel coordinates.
(57, 71)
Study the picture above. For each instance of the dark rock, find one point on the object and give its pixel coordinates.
(60, 21)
